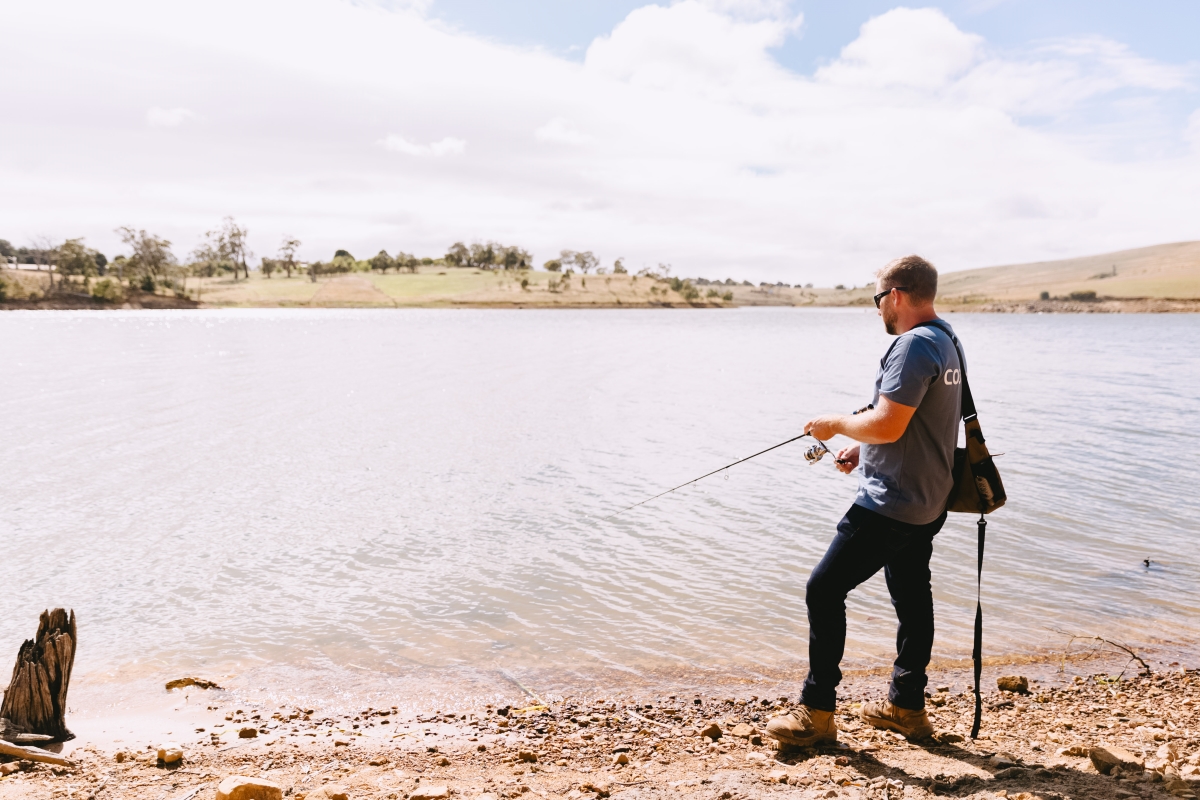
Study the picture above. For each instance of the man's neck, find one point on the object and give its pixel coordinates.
(916, 317)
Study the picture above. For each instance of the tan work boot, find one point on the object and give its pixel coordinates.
(913, 724)
(804, 727)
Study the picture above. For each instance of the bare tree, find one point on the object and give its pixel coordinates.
(586, 261)
(287, 254)
(233, 237)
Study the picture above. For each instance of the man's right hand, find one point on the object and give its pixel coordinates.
(847, 459)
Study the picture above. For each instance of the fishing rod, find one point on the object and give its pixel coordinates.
(812, 455)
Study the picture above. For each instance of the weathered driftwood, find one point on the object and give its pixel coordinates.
(33, 754)
(36, 698)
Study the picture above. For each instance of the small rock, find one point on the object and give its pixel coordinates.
(239, 787)
(9, 768)
(1179, 788)
(1104, 759)
(199, 683)
(1009, 773)
(601, 788)
(756, 740)
(170, 753)
(429, 793)
(1013, 683)
(443, 762)
(330, 791)
(776, 776)
(247, 733)
(121, 756)
(756, 758)
(743, 730)
(1168, 752)
(949, 738)
(380, 761)
(621, 758)
(1075, 751)
(712, 731)
(527, 755)
(341, 741)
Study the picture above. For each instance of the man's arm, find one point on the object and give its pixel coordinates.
(881, 425)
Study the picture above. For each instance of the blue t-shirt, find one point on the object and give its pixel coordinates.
(910, 479)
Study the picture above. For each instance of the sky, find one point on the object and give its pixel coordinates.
(754, 139)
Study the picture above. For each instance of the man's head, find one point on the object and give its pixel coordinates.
(908, 287)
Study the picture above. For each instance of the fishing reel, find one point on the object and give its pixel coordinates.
(818, 451)
(815, 453)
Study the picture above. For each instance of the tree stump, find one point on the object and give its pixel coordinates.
(36, 698)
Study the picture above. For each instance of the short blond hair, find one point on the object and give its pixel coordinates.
(914, 273)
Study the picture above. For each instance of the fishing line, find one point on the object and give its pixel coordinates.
(812, 455)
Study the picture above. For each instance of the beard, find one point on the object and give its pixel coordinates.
(890, 318)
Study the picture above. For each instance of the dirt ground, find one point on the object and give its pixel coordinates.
(1037, 744)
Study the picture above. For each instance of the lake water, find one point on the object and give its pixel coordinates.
(423, 489)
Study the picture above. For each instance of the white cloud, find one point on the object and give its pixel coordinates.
(167, 117)
(442, 147)
(701, 150)
(919, 48)
(559, 131)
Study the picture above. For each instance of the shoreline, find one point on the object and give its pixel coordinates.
(163, 302)
(525, 740)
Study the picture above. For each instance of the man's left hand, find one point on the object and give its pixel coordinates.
(823, 428)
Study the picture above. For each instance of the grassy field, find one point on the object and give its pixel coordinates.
(434, 286)
(1165, 271)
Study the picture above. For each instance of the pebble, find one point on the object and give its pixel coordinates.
(170, 753)
(743, 730)
(712, 731)
(240, 787)
(328, 792)
(429, 793)
(248, 733)
(1013, 683)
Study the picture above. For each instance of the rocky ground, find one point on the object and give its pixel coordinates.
(1083, 738)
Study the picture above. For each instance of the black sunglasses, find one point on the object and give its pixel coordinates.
(886, 292)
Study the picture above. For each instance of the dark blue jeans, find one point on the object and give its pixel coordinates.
(865, 542)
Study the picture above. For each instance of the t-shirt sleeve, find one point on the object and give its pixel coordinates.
(914, 364)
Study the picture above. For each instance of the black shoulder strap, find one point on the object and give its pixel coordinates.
(968, 400)
(968, 414)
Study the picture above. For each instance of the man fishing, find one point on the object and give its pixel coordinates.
(905, 460)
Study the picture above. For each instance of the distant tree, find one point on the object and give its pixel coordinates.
(457, 255)
(101, 263)
(513, 257)
(382, 261)
(585, 261)
(619, 267)
(342, 262)
(233, 240)
(269, 265)
(482, 256)
(287, 254)
(76, 259)
(407, 261)
(553, 265)
(6, 249)
(151, 260)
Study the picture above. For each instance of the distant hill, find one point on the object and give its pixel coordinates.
(1161, 271)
